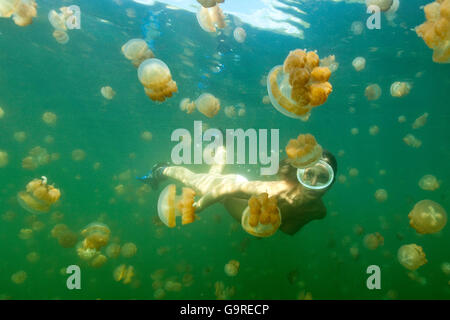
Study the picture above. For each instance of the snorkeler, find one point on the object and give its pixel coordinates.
(299, 191)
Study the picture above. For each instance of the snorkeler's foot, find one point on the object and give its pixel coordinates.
(155, 175)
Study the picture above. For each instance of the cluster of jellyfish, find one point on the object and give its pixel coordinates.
(153, 73)
(21, 11)
(59, 22)
(207, 104)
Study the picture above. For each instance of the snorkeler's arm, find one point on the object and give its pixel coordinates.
(272, 188)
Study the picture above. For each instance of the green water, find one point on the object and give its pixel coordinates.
(37, 75)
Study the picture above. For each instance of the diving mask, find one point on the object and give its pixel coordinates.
(316, 177)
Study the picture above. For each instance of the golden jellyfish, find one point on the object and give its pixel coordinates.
(173, 286)
(170, 206)
(146, 135)
(38, 196)
(2, 113)
(107, 92)
(299, 85)
(49, 118)
(420, 121)
(232, 268)
(86, 254)
(354, 131)
(25, 234)
(22, 11)
(384, 5)
(381, 195)
(67, 239)
(187, 105)
(262, 217)
(303, 151)
(37, 157)
(445, 267)
(98, 261)
(400, 89)
(137, 50)
(78, 155)
(155, 76)
(411, 256)
(357, 28)
(428, 182)
(401, 119)
(359, 63)
(19, 277)
(373, 240)
(209, 3)
(412, 141)
(427, 217)
(373, 130)
(113, 250)
(266, 100)
(372, 92)
(239, 35)
(208, 104)
(124, 274)
(60, 36)
(353, 172)
(96, 235)
(20, 136)
(230, 111)
(211, 19)
(3, 158)
(435, 31)
(241, 112)
(33, 257)
(330, 62)
(128, 250)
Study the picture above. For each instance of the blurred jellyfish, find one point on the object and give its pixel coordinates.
(25, 234)
(232, 268)
(187, 105)
(330, 62)
(128, 250)
(124, 274)
(342, 179)
(373, 240)
(49, 118)
(33, 257)
(359, 63)
(400, 89)
(146, 135)
(412, 141)
(137, 50)
(372, 92)
(155, 76)
(420, 121)
(78, 155)
(266, 100)
(108, 92)
(209, 3)
(411, 256)
(3, 158)
(170, 206)
(19, 277)
(159, 294)
(38, 196)
(211, 19)
(113, 250)
(401, 119)
(22, 11)
(262, 216)
(429, 182)
(61, 36)
(353, 172)
(241, 112)
(98, 261)
(299, 85)
(96, 235)
(208, 105)
(381, 195)
(427, 217)
(435, 31)
(357, 28)
(384, 5)
(173, 286)
(2, 113)
(373, 130)
(37, 157)
(230, 111)
(445, 267)
(354, 131)
(303, 151)
(239, 34)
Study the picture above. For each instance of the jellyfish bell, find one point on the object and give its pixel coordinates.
(427, 217)
(357, 27)
(57, 21)
(38, 196)
(137, 50)
(170, 206)
(155, 76)
(381, 195)
(187, 105)
(22, 11)
(96, 235)
(239, 35)
(359, 63)
(299, 85)
(262, 217)
(211, 19)
(400, 89)
(384, 5)
(208, 105)
(107, 92)
(411, 256)
(420, 121)
(3, 159)
(429, 182)
(372, 92)
(303, 151)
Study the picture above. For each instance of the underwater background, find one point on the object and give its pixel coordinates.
(37, 75)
